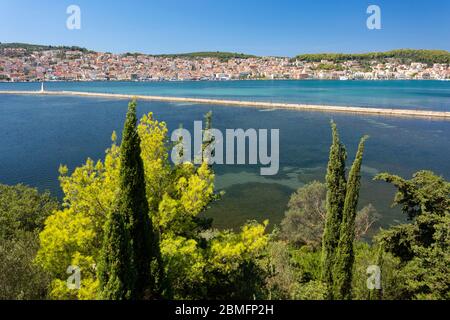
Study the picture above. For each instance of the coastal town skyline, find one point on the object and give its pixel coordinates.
(24, 62)
(262, 28)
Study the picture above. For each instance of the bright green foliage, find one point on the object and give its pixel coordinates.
(184, 263)
(177, 220)
(229, 249)
(154, 153)
(312, 290)
(225, 266)
(176, 195)
(336, 186)
(343, 267)
(423, 246)
(74, 235)
(234, 270)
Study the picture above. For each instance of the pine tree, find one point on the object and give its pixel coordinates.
(115, 272)
(132, 203)
(343, 268)
(336, 185)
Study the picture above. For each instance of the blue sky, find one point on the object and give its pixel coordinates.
(262, 27)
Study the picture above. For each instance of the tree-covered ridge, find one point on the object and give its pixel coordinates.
(223, 56)
(404, 55)
(37, 47)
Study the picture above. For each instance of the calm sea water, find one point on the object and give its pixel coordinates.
(433, 95)
(38, 133)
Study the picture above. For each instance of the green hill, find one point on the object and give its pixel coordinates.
(38, 47)
(404, 55)
(224, 56)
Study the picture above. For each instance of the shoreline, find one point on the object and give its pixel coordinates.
(267, 105)
(212, 80)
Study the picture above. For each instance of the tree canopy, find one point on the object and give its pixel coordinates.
(404, 55)
(190, 250)
(422, 246)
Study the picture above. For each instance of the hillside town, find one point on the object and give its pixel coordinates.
(21, 65)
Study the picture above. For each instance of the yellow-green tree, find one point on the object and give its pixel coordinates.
(74, 235)
(176, 194)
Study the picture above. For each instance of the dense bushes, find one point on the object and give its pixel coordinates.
(22, 213)
(423, 246)
(304, 220)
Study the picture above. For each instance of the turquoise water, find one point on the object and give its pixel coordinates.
(414, 94)
(38, 133)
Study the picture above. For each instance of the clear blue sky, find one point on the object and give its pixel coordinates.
(262, 27)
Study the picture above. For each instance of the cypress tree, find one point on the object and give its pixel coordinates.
(336, 184)
(115, 273)
(343, 268)
(132, 203)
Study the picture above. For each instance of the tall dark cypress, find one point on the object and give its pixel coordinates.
(132, 203)
(336, 184)
(115, 269)
(343, 269)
